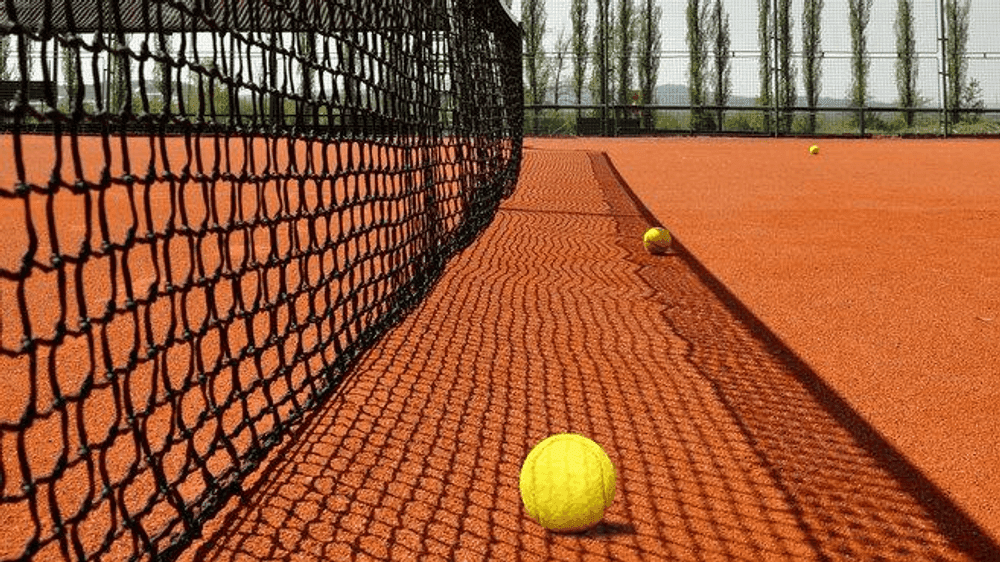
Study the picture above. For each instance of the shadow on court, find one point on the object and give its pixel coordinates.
(727, 445)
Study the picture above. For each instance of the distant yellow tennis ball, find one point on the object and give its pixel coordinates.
(656, 240)
(567, 481)
(814, 149)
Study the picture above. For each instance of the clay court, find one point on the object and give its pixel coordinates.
(307, 281)
(811, 375)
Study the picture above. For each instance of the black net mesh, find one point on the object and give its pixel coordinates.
(210, 209)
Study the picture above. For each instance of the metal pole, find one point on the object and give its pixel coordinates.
(604, 79)
(944, 67)
(107, 80)
(777, 58)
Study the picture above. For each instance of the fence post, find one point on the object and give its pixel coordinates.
(774, 66)
(943, 58)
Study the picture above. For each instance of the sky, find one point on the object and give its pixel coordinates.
(984, 44)
(983, 47)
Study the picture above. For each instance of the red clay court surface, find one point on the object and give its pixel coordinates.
(854, 420)
(811, 376)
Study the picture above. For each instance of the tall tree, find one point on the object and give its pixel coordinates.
(624, 41)
(719, 30)
(558, 61)
(603, 65)
(650, 41)
(812, 69)
(70, 76)
(906, 59)
(578, 14)
(161, 77)
(533, 27)
(533, 19)
(120, 76)
(786, 68)
(957, 33)
(306, 43)
(860, 14)
(766, 99)
(697, 38)
(5, 57)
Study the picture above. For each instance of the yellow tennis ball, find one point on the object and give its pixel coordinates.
(567, 481)
(656, 240)
(814, 149)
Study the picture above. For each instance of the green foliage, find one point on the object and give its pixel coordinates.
(307, 49)
(860, 14)
(721, 71)
(673, 121)
(650, 42)
(201, 95)
(786, 68)
(551, 122)
(956, 66)
(120, 77)
(980, 126)
(69, 62)
(698, 71)
(972, 98)
(812, 69)
(533, 20)
(764, 41)
(562, 50)
(155, 106)
(161, 77)
(602, 59)
(748, 122)
(906, 59)
(625, 25)
(580, 31)
(5, 41)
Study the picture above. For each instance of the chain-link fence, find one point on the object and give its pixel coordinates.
(947, 51)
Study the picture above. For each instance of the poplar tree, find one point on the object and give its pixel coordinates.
(650, 41)
(722, 55)
(906, 59)
(599, 85)
(533, 26)
(697, 38)
(860, 13)
(559, 61)
(70, 77)
(120, 76)
(766, 99)
(578, 15)
(957, 21)
(5, 57)
(533, 23)
(812, 69)
(624, 40)
(161, 78)
(786, 69)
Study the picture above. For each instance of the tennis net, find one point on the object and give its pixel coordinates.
(211, 209)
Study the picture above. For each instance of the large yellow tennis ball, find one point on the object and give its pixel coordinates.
(657, 240)
(814, 149)
(567, 481)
